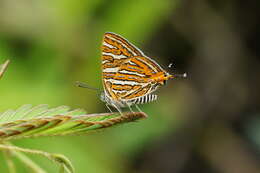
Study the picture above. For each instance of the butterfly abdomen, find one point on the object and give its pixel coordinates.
(145, 99)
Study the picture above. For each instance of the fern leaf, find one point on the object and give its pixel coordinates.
(28, 121)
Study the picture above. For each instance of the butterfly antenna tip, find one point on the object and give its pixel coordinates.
(184, 75)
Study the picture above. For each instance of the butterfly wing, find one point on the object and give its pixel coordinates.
(128, 74)
(115, 51)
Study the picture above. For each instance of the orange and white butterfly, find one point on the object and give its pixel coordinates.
(129, 77)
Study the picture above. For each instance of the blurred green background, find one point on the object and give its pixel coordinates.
(208, 122)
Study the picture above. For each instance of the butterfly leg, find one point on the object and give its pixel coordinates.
(137, 107)
(118, 109)
(108, 108)
(130, 108)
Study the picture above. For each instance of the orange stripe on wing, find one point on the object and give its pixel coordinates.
(119, 47)
(113, 63)
(138, 93)
(108, 75)
(130, 77)
(107, 57)
(125, 87)
(152, 63)
(132, 68)
(145, 68)
(124, 41)
(111, 50)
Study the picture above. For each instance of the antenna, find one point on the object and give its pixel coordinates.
(170, 65)
(184, 75)
(84, 85)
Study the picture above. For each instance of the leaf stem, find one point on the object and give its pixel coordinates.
(28, 162)
(9, 161)
(57, 158)
(3, 68)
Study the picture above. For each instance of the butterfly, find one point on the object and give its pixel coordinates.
(129, 77)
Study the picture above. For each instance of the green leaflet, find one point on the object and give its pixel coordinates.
(28, 121)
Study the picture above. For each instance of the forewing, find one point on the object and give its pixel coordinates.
(115, 51)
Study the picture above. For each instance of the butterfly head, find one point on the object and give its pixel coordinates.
(162, 79)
